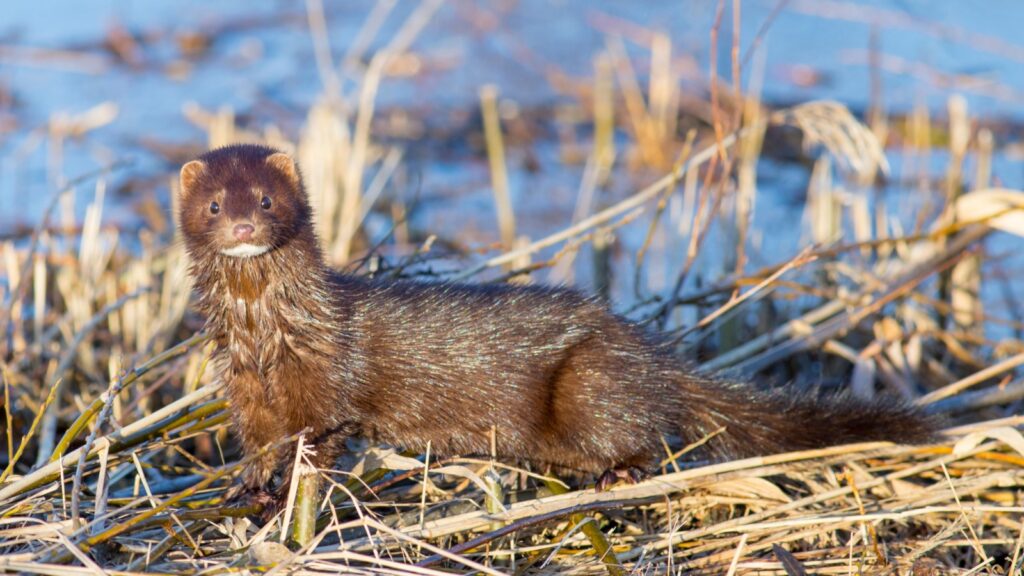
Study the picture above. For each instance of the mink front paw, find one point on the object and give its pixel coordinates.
(264, 503)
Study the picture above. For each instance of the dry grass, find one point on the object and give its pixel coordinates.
(119, 455)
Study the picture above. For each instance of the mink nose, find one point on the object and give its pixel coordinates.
(243, 232)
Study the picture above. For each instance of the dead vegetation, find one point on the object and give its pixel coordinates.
(118, 453)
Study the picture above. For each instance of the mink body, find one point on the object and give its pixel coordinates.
(560, 379)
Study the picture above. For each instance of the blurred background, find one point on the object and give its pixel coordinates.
(384, 104)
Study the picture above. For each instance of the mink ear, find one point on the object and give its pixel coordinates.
(190, 175)
(284, 164)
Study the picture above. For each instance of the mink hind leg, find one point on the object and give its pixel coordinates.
(601, 415)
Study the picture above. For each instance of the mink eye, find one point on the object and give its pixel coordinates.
(214, 208)
(265, 203)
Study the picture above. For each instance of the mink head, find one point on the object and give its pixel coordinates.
(242, 201)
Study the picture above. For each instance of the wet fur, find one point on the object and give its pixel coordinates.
(560, 378)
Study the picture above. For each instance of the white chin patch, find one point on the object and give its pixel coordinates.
(245, 251)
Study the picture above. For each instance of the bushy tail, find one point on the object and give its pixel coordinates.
(758, 422)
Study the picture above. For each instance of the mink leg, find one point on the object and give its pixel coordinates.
(612, 476)
(259, 473)
(255, 488)
(327, 448)
(258, 426)
(330, 445)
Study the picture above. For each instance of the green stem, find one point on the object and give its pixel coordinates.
(304, 525)
(589, 528)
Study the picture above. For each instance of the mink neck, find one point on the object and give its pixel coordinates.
(270, 291)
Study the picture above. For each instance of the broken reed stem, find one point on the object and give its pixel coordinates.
(662, 91)
(306, 500)
(494, 501)
(983, 171)
(963, 282)
(7, 409)
(604, 115)
(303, 489)
(352, 176)
(496, 158)
(959, 137)
(322, 49)
(76, 485)
(749, 151)
(39, 284)
(645, 128)
(601, 259)
(539, 519)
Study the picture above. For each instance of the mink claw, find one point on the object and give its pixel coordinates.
(613, 476)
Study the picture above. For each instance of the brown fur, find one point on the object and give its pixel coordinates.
(560, 378)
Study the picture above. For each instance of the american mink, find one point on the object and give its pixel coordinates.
(561, 379)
